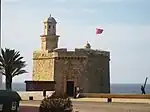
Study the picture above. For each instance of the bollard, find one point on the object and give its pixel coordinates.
(109, 100)
(44, 93)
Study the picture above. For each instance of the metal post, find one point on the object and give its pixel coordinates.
(1, 86)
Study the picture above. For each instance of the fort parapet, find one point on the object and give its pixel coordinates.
(85, 67)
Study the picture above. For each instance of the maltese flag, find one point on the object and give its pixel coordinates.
(99, 31)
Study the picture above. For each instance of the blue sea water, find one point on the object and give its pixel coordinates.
(115, 88)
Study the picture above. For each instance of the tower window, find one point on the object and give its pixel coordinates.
(49, 26)
(53, 27)
(45, 27)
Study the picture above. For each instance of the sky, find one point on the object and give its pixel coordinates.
(126, 25)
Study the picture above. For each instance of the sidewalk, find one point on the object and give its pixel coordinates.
(115, 100)
(119, 100)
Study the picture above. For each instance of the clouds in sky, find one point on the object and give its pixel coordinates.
(126, 31)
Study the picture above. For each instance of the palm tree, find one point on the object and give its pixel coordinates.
(11, 65)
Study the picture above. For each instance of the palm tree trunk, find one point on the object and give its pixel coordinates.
(8, 83)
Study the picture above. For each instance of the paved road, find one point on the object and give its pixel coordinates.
(101, 107)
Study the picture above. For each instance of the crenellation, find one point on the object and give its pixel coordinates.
(44, 55)
(80, 52)
(91, 51)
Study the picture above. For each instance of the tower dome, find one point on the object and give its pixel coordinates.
(49, 40)
(50, 19)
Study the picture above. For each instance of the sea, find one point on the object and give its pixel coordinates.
(115, 88)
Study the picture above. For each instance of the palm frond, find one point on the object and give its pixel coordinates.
(11, 63)
(19, 72)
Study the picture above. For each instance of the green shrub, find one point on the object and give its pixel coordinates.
(57, 102)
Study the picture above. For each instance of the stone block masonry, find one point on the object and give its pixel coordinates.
(85, 68)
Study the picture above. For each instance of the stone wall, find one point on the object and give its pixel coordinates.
(68, 69)
(89, 69)
(97, 70)
(98, 74)
(37, 95)
(43, 66)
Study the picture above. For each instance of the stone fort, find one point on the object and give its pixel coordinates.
(58, 69)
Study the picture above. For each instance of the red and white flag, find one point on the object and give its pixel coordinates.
(99, 31)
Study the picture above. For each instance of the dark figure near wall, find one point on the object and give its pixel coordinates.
(143, 89)
(77, 92)
(143, 86)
